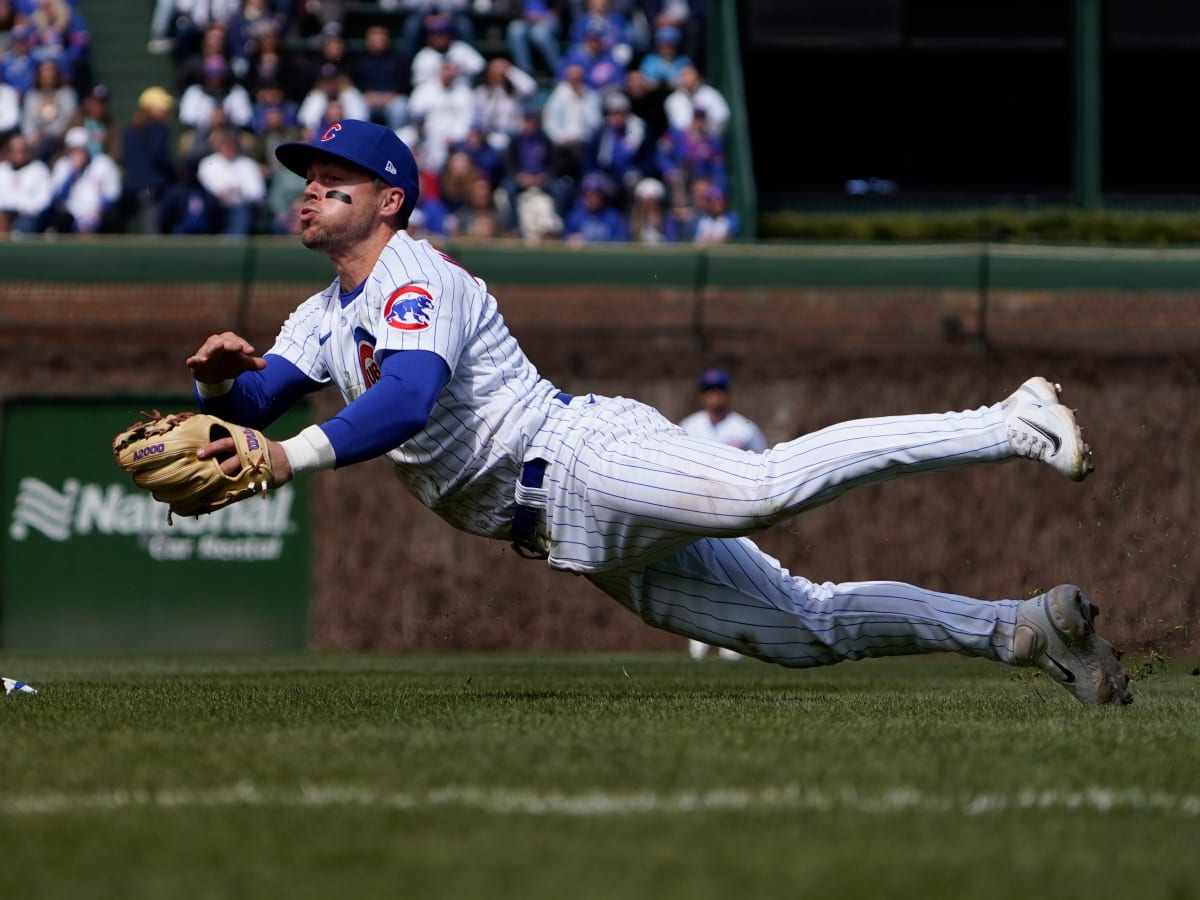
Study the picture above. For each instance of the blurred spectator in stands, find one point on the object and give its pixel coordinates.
(455, 181)
(17, 65)
(162, 27)
(614, 27)
(186, 207)
(194, 18)
(273, 63)
(684, 210)
(25, 187)
(647, 99)
(430, 216)
(530, 177)
(446, 107)
(330, 55)
(501, 94)
(331, 85)
(571, 116)
(274, 124)
(86, 189)
(538, 27)
(537, 217)
(647, 219)
(692, 93)
(684, 155)
(480, 217)
(287, 219)
(602, 71)
(60, 33)
(621, 150)
(689, 16)
(308, 17)
(95, 117)
(593, 219)
(189, 69)
(383, 77)
(665, 60)
(200, 102)
(235, 180)
(487, 159)
(716, 224)
(10, 109)
(47, 110)
(441, 45)
(146, 160)
(245, 33)
(8, 21)
(425, 15)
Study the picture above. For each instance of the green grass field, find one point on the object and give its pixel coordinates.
(459, 776)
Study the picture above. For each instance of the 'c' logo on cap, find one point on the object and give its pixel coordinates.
(331, 132)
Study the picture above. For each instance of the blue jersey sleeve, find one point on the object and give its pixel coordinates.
(259, 398)
(392, 410)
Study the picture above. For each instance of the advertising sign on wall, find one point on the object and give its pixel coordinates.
(89, 561)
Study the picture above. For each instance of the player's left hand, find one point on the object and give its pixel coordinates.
(164, 457)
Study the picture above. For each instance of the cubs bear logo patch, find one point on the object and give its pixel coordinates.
(408, 309)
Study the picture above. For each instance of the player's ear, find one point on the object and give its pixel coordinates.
(391, 201)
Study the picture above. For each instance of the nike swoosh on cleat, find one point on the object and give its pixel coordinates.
(1068, 675)
(1048, 435)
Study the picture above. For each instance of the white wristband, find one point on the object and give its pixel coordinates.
(220, 389)
(309, 451)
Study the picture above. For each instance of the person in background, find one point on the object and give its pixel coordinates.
(571, 115)
(692, 93)
(201, 102)
(236, 180)
(716, 420)
(95, 117)
(647, 219)
(602, 71)
(146, 159)
(539, 27)
(25, 187)
(665, 61)
(716, 224)
(186, 207)
(500, 95)
(383, 77)
(593, 219)
(47, 110)
(86, 189)
(621, 149)
(442, 46)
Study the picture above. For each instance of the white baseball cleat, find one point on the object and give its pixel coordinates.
(697, 649)
(1056, 632)
(1042, 428)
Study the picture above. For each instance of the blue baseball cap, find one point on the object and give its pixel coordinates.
(714, 379)
(365, 144)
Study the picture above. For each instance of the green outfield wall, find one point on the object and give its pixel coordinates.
(813, 335)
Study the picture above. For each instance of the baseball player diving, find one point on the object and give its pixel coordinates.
(607, 487)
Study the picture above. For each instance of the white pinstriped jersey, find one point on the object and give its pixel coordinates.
(464, 463)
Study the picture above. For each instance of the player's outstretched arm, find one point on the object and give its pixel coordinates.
(223, 356)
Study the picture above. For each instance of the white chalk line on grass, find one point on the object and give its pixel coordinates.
(508, 802)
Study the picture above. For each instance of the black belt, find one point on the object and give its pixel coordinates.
(525, 518)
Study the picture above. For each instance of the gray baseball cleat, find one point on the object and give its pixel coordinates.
(1056, 632)
(1041, 428)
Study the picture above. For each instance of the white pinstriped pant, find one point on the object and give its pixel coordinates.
(658, 520)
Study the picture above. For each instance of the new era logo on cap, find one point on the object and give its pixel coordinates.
(365, 144)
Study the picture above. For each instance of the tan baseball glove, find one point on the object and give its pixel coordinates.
(160, 454)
